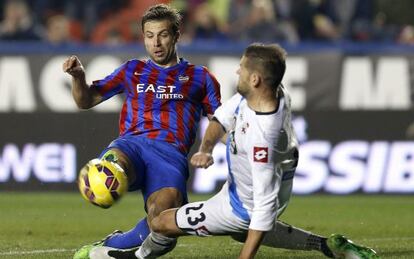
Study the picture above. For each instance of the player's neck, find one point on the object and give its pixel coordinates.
(172, 62)
(265, 101)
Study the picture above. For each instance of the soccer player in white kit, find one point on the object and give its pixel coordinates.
(262, 154)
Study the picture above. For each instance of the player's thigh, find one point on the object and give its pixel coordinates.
(167, 167)
(211, 217)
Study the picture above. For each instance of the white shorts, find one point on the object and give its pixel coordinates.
(215, 216)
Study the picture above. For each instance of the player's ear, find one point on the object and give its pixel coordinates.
(177, 36)
(255, 79)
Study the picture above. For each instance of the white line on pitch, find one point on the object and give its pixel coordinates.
(45, 251)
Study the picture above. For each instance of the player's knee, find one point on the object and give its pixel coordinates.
(162, 200)
(158, 224)
(117, 156)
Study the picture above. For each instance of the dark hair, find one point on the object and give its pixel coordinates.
(162, 12)
(270, 60)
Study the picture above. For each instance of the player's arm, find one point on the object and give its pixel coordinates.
(223, 139)
(266, 179)
(84, 96)
(264, 211)
(203, 158)
(216, 130)
(252, 244)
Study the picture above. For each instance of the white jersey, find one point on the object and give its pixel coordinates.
(261, 149)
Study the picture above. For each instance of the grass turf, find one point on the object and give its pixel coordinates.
(53, 225)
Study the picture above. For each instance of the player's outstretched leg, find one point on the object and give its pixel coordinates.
(290, 237)
(342, 247)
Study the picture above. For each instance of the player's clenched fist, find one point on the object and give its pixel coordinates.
(73, 66)
(202, 160)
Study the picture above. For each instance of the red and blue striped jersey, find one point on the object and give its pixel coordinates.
(162, 103)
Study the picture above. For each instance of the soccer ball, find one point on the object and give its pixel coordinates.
(102, 182)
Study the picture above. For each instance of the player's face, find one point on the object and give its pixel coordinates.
(160, 42)
(243, 86)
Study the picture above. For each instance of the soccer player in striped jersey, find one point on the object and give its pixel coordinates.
(262, 155)
(165, 97)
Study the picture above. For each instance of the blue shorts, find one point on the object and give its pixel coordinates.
(157, 164)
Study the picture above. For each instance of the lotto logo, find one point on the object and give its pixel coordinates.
(260, 154)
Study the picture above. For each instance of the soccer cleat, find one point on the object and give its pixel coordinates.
(84, 251)
(105, 252)
(342, 247)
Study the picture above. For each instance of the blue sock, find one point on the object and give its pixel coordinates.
(130, 239)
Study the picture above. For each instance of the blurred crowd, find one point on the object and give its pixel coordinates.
(117, 22)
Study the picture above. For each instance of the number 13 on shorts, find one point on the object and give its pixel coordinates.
(191, 219)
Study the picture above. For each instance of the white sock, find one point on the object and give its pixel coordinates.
(289, 237)
(155, 245)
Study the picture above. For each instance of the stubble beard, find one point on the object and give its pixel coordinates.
(162, 61)
(241, 91)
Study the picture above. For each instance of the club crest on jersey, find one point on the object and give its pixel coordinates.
(160, 91)
(183, 78)
(244, 127)
(260, 154)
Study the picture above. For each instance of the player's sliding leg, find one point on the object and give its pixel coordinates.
(342, 247)
(336, 246)
(290, 237)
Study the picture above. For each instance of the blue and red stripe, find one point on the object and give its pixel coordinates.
(164, 112)
(149, 102)
(167, 118)
(133, 95)
(181, 123)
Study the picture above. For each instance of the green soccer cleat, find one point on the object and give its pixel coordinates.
(342, 247)
(84, 251)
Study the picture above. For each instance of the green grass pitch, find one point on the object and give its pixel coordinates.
(53, 225)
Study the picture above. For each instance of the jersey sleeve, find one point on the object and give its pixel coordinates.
(212, 99)
(266, 182)
(225, 113)
(112, 84)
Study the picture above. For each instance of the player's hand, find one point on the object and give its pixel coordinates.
(73, 67)
(202, 160)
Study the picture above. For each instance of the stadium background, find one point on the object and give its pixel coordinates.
(350, 74)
